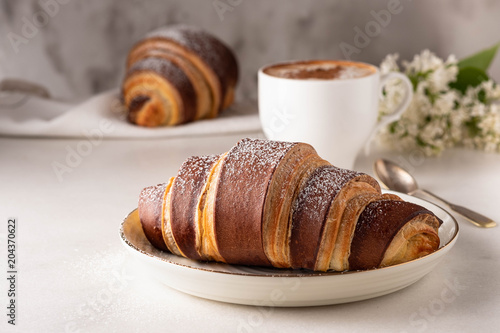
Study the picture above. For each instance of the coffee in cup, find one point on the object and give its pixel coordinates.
(320, 70)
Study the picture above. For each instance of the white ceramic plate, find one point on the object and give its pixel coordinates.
(278, 287)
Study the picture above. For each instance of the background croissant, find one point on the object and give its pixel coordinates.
(178, 74)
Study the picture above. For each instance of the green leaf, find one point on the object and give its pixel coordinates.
(481, 96)
(473, 126)
(392, 127)
(420, 142)
(468, 77)
(480, 60)
(417, 77)
(414, 82)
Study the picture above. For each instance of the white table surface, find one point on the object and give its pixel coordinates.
(76, 276)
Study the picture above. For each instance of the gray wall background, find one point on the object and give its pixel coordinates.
(80, 47)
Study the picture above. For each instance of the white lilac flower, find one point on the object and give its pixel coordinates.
(430, 132)
(438, 116)
(452, 60)
(423, 63)
(441, 77)
(389, 64)
(394, 93)
(491, 90)
(490, 123)
(444, 103)
(478, 110)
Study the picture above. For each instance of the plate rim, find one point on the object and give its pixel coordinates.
(300, 273)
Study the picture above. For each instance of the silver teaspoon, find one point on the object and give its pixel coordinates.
(398, 179)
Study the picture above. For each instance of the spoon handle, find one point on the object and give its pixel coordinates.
(470, 215)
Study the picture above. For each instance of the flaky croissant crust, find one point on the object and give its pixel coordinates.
(272, 203)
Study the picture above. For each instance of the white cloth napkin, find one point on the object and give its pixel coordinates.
(33, 116)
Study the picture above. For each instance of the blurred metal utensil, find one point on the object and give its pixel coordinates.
(398, 179)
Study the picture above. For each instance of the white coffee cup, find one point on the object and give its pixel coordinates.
(337, 116)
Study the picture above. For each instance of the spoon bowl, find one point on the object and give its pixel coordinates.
(394, 177)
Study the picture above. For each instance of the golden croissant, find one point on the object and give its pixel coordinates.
(279, 204)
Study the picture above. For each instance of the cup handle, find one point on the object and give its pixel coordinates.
(387, 119)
